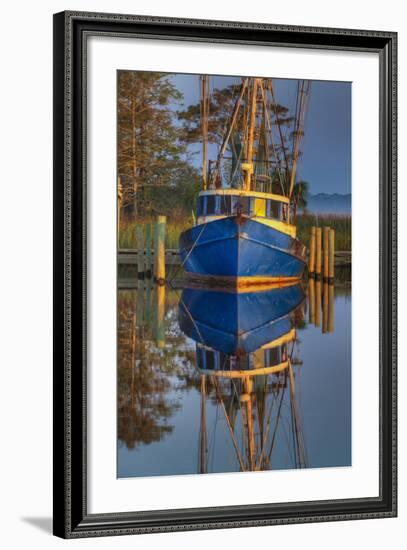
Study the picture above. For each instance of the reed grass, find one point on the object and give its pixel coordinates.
(127, 233)
(340, 223)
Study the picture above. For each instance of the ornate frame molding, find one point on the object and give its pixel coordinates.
(71, 30)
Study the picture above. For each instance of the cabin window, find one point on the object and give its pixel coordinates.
(273, 209)
(210, 205)
(200, 355)
(200, 208)
(219, 204)
(210, 360)
(274, 356)
(242, 205)
(284, 212)
(225, 204)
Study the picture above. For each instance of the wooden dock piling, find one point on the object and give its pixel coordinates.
(140, 253)
(160, 314)
(331, 311)
(317, 303)
(331, 267)
(326, 252)
(318, 252)
(159, 249)
(148, 271)
(325, 308)
(311, 266)
(119, 206)
(311, 299)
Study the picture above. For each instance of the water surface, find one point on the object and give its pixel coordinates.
(209, 381)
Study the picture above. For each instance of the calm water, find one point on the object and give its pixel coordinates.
(212, 381)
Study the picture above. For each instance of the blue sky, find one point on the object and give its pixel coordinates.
(326, 146)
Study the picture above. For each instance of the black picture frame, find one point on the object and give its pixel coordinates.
(71, 518)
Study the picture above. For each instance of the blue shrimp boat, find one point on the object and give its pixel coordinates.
(245, 232)
(242, 238)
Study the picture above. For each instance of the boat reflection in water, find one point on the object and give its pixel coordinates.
(245, 345)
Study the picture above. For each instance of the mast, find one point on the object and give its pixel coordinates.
(249, 160)
(298, 130)
(204, 125)
(203, 448)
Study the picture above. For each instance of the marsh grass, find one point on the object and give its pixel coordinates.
(340, 223)
(174, 228)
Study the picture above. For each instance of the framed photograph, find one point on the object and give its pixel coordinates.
(224, 274)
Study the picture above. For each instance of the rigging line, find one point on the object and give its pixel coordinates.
(294, 431)
(296, 420)
(303, 443)
(299, 131)
(299, 439)
(228, 134)
(296, 449)
(215, 383)
(189, 253)
(273, 401)
(277, 418)
(211, 457)
(272, 140)
(271, 88)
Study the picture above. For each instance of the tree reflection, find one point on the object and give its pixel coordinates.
(149, 377)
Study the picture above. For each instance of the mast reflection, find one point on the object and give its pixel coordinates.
(245, 343)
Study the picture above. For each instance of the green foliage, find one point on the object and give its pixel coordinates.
(151, 156)
(220, 109)
(300, 193)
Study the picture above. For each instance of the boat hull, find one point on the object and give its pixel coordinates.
(241, 250)
(238, 322)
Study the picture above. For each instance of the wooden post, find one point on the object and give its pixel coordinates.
(140, 305)
(159, 250)
(331, 310)
(325, 308)
(119, 206)
(318, 253)
(160, 328)
(331, 269)
(148, 251)
(326, 252)
(318, 303)
(140, 252)
(311, 300)
(311, 267)
(148, 315)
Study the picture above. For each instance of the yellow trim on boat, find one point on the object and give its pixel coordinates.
(245, 193)
(285, 228)
(238, 282)
(245, 373)
(193, 281)
(289, 337)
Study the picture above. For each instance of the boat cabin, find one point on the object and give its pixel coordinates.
(262, 361)
(229, 202)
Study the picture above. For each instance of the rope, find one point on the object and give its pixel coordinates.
(189, 253)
